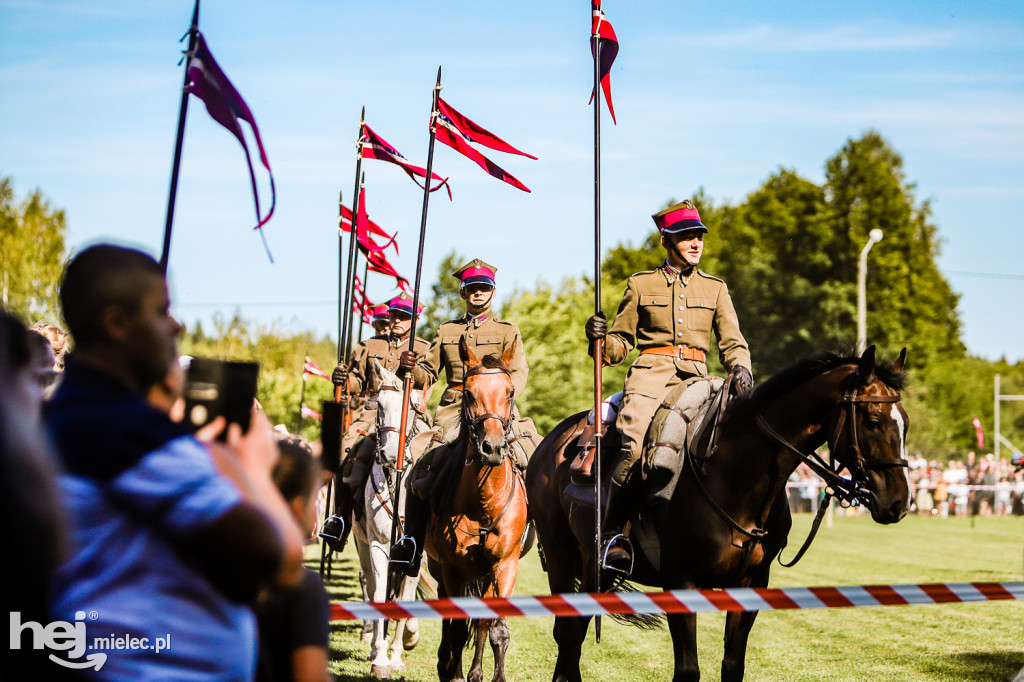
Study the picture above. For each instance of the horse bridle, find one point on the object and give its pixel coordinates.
(381, 428)
(506, 422)
(848, 492)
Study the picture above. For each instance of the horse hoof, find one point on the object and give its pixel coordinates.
(398, 667)
(410, 639)
(381, 672)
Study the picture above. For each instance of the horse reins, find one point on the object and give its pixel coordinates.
(473, 441)
(506, 422)
(848, 492)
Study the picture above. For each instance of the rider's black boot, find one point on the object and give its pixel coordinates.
(407, 552)
(616, 549)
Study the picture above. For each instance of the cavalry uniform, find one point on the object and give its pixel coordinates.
(484, 334)
(385, 349)
(669, 317)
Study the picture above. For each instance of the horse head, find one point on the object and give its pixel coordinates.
(869, 436)
(390, 395)
(488, 397)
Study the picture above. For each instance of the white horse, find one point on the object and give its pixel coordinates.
(373, 533)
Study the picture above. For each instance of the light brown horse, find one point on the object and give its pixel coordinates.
(473, 542)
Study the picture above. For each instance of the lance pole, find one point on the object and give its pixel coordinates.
(407, 379)
(362, 306)
(193, 36)
(353, 262)
(599, 344)
(302, 395)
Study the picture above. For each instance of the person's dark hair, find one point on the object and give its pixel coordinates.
(297, 472)
(97, 278)
(16, 339)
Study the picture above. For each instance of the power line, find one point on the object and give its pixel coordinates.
(984, 275)
(253, 304)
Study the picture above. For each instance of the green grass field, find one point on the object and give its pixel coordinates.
(950, 642)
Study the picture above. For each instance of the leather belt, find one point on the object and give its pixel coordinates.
(457, 387)
(681, 352)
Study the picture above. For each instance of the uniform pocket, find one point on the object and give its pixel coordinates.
(699, 313)
(488, 341)
(654, 312)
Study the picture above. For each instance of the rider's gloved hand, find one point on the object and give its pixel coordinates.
(407, 361)
(340, 375)
(597, 327)
(742, 380)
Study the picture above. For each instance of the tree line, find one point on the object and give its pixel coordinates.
(788, 251)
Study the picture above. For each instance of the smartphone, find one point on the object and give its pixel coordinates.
(220, 388)
(330, 436)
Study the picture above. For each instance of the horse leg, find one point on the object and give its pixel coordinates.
(476, 670)
(683, 627)
(500, 638)
(504, 583)
(737, 629)
(568, 632)
(367, 635)
(449, 658)
(407, 591)
(380, 667)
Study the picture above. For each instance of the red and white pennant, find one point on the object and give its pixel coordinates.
(683, 601)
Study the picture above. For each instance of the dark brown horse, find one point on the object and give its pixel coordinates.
(725, 523)
(473, 543)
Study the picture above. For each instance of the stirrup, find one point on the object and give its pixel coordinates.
(332, 533)
(620, 543)
(403, 552)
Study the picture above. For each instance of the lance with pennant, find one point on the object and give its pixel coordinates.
(345, 313)
(193, 36)
(599, 344)
(407, 380)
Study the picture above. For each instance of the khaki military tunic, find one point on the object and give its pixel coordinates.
(385, 349)
(660, 309)
(485, 336)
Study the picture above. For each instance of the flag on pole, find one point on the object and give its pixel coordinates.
(306, 411)
(378, 262)
(208, 82)
(602, 29)
(448, 130)
(345, 223)
(363, 227)
(979, 433)
(373, 146)
(309, 368)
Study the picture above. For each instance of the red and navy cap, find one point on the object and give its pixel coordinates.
(679, 218)
(403, 304)
(380, 313)
(475, 272)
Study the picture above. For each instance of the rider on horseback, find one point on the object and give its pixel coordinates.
(392, 325)
(485, 335)
(669, 314)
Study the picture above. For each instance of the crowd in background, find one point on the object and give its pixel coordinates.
(973, 486)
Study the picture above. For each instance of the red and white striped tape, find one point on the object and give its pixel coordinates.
(683, 601)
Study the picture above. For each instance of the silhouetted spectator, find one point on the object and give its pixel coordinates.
(164, 541)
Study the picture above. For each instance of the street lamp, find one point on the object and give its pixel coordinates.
(862, 284)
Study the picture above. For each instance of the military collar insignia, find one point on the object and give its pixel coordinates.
(476, 321)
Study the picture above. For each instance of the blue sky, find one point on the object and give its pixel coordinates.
(715, 95)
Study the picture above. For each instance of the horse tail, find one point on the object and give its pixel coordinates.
(426, 587)
(644, 621)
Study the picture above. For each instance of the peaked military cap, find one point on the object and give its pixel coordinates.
(475, 272)
(380, 312)
(403, 304)
(679, 218)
